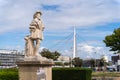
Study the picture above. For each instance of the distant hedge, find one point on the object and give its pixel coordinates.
(9, 74)
(71, 74)
(57, 74)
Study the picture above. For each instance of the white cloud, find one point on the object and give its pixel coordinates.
(83, 13)
(3, 2)
(96, 33)
(17, 47)
(16, 15)
(86, 48)
(86, 51)
(41, 48)
(67, 53)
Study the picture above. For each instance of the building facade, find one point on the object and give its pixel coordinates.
(115, 59)
(9, 57)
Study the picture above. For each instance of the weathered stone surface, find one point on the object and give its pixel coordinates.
(33, 66)
(36, 35)
(34, 63)
(35, 70)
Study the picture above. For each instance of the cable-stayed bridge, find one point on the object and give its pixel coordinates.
(69, 43)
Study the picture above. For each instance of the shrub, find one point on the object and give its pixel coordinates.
(77, 62)
(59, 64)
(71, 74)
(67, 63)
(9, 74)
(57, 74)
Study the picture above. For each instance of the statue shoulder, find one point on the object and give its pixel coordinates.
(37, 20)
(34, 21)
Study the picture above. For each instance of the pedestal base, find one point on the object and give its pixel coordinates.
(35, 70)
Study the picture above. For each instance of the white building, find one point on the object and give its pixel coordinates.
(9, 57)
(64, 58)
(105, 58)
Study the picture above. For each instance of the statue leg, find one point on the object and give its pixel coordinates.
(32, 47)
(26, 47)
(37, 47)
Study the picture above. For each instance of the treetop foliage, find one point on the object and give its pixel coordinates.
(113, 41)
(50, 55)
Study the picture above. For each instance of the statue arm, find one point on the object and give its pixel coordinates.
(38, 24)
(42, 25)
(33, 23)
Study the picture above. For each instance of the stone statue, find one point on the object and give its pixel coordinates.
(29, 46)
(36, 35)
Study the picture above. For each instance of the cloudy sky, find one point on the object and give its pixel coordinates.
(93, 19)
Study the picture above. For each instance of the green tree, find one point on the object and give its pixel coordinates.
(67, 63)
(55, 55)
(101, 64)
(50, 55)
(46, 53)
(113, 41)
(92, 62)
(77, 62)
(59, 64)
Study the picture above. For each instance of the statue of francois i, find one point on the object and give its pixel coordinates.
(36, 35)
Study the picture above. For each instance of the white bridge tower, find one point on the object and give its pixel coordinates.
(74, 43)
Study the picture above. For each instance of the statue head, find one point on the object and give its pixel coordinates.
(36, 14)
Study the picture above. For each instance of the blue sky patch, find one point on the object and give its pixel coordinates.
(51, 7)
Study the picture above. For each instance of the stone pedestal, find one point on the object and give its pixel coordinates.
(35, 70)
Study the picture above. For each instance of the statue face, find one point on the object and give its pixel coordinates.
(38, 15)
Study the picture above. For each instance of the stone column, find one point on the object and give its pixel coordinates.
(35, 70)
